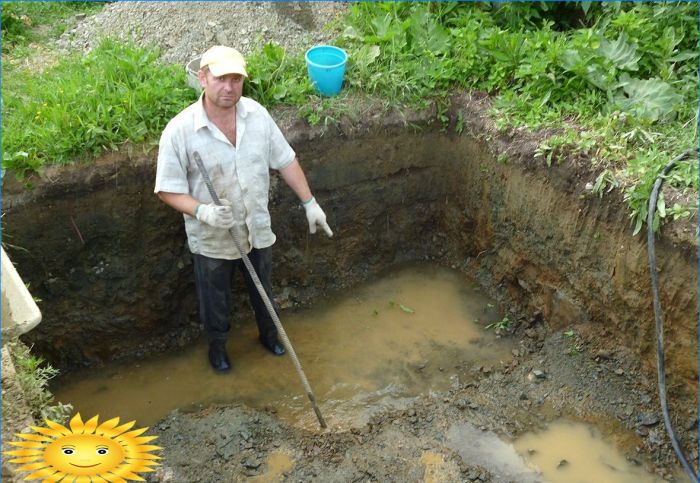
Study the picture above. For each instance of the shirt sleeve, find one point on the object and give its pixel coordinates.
(171, 172)
(281, 153)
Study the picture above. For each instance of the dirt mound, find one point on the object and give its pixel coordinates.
(183, 30)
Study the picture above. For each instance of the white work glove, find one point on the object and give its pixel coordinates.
(316, 216)
(216, 216)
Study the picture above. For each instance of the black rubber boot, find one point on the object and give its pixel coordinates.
(273, 345)
(218, 357)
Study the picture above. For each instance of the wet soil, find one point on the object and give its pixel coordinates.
(111, 266)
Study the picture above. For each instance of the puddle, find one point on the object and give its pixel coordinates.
(278, 464)
(577, 453)
(566, 452)
(408, 333)
(433, 463)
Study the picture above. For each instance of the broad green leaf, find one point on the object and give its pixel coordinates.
(621, 53)
(428, 33)
(382, 27)
(638, 225)
(365, 55)
(597, 77)
(686, 55)
(571, 60)
(650, 99)
(661, 206)
(279, 91)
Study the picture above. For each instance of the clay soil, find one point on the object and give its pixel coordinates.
(111, 265)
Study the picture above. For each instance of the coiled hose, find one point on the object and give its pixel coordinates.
(254, 276)
(660, 363)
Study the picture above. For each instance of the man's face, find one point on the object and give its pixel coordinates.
(223, 92)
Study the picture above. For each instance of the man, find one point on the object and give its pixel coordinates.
(238, 143)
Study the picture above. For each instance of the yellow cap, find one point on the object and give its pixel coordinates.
(223, 60)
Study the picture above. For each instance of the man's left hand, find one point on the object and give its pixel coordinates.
(316, 216)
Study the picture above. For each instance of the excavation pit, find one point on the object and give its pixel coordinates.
(110, 264)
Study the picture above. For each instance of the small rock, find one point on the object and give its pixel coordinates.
(251, 463)
(562, 464)
(619, 371)
(536, 376)
(603, 354)
(648, 419)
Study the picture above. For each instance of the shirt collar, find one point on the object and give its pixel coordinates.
(202, 120)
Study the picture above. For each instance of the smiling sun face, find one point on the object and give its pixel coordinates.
(84, 454)
(108, 451)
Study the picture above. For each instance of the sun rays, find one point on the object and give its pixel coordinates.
(85, 452)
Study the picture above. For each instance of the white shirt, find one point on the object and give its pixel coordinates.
(239, 173)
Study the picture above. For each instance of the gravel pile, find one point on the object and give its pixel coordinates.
(183, 30)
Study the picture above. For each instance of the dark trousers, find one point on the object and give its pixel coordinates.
(214, 277)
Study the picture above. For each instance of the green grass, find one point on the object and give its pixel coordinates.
(33, 375)
(24, 22)
(616, 82)
(85, 105)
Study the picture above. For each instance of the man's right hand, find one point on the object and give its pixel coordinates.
(216, 216)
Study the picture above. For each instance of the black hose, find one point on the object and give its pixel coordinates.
(660, 366)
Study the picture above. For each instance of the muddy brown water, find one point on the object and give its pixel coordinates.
(565, 452)
(409, 332)
(111, 266)
(397, 337)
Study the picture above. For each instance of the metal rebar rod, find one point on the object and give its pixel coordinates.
(273, 313)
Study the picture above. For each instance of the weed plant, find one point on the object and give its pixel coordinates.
(33, 375)
(19, 20)
(273, 77)
(616, 82)
(87, 104)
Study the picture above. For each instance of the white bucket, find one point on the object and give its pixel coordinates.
(192, 68)
(20, 313)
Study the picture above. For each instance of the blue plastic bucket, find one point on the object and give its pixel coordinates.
(326, 66)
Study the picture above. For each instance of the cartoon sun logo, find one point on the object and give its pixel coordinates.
(86, 452)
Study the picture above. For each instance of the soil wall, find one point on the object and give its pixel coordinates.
(110, 262)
